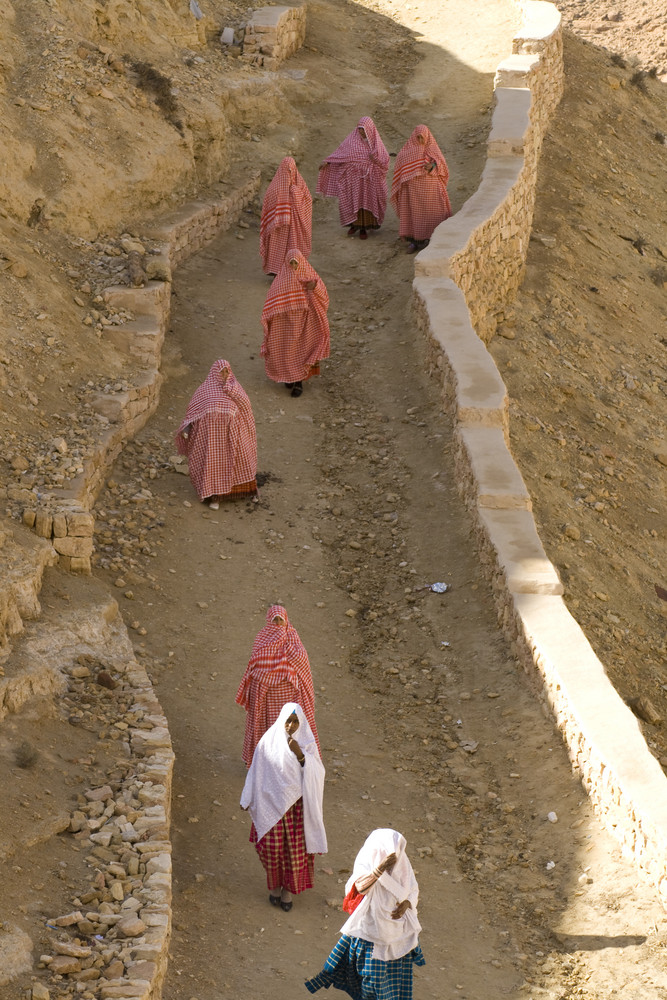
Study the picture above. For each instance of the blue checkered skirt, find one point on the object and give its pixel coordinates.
(350, 967)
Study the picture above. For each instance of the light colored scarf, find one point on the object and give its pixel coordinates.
(372, 920)
(276, 780)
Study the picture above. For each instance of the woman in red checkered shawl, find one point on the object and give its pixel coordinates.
(356, 174)
(419, 189)
(296, 328)
(218, 437)
(286, 217)
(278, 671)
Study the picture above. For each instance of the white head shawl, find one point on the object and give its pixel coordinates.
(372, 919)
(276, 780)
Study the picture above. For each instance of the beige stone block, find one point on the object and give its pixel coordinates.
(519, 552)
(480, 393)
(29, 517)
(497, 481)
(59, 525)
(71, 546)
(147, 301)
(43, 524)
(80, 524)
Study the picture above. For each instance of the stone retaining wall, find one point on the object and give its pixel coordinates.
(466, 280)
(114, 943)
(64, 516)
(483, 247)
(273, 34)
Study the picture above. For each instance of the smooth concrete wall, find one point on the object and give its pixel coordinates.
(465, 282)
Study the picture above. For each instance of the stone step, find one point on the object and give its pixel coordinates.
(23, 558)
(36, 665)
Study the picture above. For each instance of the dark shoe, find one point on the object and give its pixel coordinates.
(274, 900)
(289, 385)
(297, 390)
(412, 248)
(352, 230)
(286, 906)
(363, 235)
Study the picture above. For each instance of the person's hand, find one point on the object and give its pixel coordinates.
(400, 909)
(296, 749)
(388, 863)
(310, 285)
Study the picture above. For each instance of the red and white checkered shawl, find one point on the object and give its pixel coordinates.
(356, 173)
(216, 466)
(288, 293)
(278, 666)
(287, 203)
(414, 158)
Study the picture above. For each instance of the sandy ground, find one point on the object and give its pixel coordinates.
(441, 741)
(444, 742)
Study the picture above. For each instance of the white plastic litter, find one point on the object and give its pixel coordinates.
(196, 9)
(227, 36)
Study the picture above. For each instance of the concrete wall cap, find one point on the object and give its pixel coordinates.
(519, 552)
(541, 20)
(499, 484)
(511, 118)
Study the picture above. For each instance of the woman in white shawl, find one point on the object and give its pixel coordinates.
(380, 942)
(283, 793)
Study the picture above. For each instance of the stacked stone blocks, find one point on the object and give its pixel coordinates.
(273, 34)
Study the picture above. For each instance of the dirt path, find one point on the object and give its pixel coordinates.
(426, 724)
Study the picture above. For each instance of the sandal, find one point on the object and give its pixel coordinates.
(297, 390)
(412, 247)
(352, 230)
(214, 504)
(363, 235)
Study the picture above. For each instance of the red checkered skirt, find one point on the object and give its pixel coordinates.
(283, 854)
(296, 342)
(422, 204)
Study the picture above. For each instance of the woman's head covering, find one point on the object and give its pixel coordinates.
(215, 396)
(356, 148)
(414, 156)
(277, 611)
(288, 293)
(372, 918)
(287, 193)
(278, 665)
(277, 652)
(276, 780)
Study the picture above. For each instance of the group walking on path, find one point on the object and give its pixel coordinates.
(284, 786)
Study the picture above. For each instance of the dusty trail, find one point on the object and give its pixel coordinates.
(444, 742)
